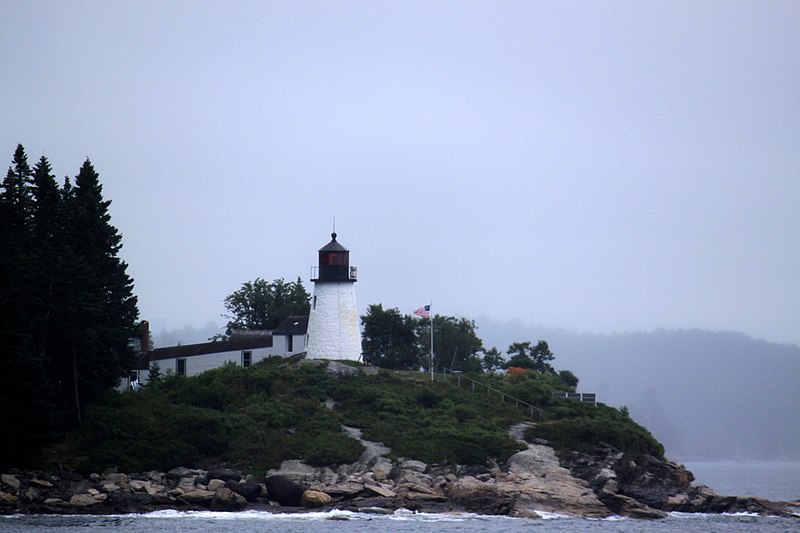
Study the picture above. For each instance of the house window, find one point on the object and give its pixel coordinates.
(247, 359)
(180, 367)
(289, 343)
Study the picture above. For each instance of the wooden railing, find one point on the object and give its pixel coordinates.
(535, 413)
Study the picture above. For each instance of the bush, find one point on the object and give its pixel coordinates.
(258, 417)
(604, 425)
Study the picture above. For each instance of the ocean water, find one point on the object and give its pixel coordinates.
(775, 480)
(402, 521)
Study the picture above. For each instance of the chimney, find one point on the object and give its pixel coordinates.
(144, 336)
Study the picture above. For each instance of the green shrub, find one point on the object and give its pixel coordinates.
(603, 425)
(259, 416)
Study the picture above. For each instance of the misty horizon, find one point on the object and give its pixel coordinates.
(612, 167)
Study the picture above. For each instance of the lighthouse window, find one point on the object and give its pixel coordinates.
(333, 259)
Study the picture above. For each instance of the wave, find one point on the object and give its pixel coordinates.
(335, 514)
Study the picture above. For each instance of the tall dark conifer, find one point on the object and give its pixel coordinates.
(23, 382)
(105, 304)
(67, 308)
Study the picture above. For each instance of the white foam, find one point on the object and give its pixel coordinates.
(400, 515)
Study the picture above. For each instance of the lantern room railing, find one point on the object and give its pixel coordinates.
(351, 275)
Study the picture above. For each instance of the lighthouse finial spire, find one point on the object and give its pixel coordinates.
(333, 235)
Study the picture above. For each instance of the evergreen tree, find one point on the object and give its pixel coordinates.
(104, 307)
(17, 194)
(25, 414)
(67, 309)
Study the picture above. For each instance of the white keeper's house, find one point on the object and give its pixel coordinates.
(331, 331)
(242, 347)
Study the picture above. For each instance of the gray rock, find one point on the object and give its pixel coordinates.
(380, 491)
(198, 496)
(182, 472)
(138, 485)
(284, 491)
(215, 484)
(187, 483)
(82, 500)
(248, 490)
(225, 474)
(295, 470)
(340, 369)
(381, 468)
(415, 466)
(227, 500)
(10, 480)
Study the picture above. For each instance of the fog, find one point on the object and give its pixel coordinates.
(595, 167)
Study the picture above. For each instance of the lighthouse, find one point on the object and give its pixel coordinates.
(333, 331)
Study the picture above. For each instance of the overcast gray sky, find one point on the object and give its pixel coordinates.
(599, 166)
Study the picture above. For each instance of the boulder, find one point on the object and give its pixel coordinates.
(138, 485)
(10, 480)
(225, 474)
(414, 466)
(479, 497)
(187, 484)
(349, 488)
(381, 468)
(380, 491)
(283, 490)
(295, 470)
(340, 369)
(110, 487)
(182, 472)
(315, 498)
(652, 481)
(82, 500)
(216, 484)
(198, 496)
(227, 500)
(249, 490)
(628, 507)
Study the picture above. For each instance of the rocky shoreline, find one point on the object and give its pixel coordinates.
(596, 485)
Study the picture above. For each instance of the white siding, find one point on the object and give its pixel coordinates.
(200, 363)
(333, 331)
(280, 345)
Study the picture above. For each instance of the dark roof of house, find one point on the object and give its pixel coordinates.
(233, 344)
(292, 325)
(333, 246)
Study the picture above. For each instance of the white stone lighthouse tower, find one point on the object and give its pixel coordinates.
(333, 331)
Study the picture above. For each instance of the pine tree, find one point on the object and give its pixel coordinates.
(105, 307)
(67, 309)
(25, 413)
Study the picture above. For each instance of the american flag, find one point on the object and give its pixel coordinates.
(425, 311)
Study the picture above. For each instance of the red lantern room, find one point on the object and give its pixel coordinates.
(334, 263)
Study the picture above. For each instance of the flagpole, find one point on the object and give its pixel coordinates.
(431, 357)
